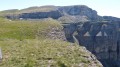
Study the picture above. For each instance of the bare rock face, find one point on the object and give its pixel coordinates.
(110, 18)
(56, 33)
(90, 57)
(79, 10)
(76, 12)
(39, 15)
(101, 38)
(56, 12)
(73, 19)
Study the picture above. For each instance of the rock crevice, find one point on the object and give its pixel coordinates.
(102, 39)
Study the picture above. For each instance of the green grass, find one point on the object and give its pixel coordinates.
(41, 53)
(25, 29)
(24, 44)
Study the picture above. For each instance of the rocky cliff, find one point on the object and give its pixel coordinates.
(100, 35)
(73, 13)
(101, 38)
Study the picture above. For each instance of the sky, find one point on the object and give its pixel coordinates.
(103, 7)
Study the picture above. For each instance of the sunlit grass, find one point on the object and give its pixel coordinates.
(41, 53)
(24, 44)
(25, 29)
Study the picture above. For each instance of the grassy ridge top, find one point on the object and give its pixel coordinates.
(24, 44)
(25, 29)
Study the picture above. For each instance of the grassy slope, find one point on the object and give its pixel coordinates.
(25, 29)
(24, 44)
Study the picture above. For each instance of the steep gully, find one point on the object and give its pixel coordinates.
(101, 38)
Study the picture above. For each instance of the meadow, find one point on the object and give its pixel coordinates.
(25, 44)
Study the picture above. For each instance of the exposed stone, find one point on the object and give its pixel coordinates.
(75, 13)
(87, 34)
(102, 39)
(56, 33)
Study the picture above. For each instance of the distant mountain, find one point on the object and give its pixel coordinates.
(75, 13)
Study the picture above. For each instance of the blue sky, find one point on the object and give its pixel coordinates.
(103, 7)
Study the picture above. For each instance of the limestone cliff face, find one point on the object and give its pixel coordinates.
(101, 38)
(82, 24)
(73, 13)
(110, 18)
(37, 15)
(78, 11)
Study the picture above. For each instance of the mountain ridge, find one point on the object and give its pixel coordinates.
(57, 12)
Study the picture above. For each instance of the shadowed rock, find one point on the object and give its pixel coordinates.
(101, 38)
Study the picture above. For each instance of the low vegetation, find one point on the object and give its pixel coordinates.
(24, 44)
(25, 29)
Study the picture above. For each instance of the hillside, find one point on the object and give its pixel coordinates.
(81, 24)
(74, 13)
(27, 44)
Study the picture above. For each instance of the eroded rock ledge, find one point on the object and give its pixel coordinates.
(101, 38)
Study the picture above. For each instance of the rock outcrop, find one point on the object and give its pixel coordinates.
(99, 34)
(56, 33)
(101, 38)
(73, 13)
(39, 15)
(80, 12)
